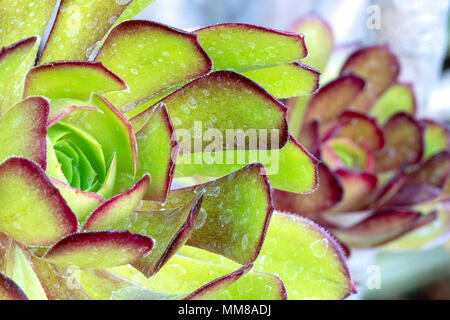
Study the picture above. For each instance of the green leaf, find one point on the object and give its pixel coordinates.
(234, 214)
(79, 27)
(23, 19)
(319, 40)
(306, 258)
(226, 100)
(286, 81)
(115, 135)
(23, 129)
(15, 61)
(82, 203)
(33, 211)
(74, 80)
(157, 148)
(170, 228)
(133, 9)
(291, 169)
(243, 47)
(98, 250)
(150, 57)
(436, 136)
(398, 98)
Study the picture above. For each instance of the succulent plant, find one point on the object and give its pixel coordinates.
(90, 141)
(384, 178)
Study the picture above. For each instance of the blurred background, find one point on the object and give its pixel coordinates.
(417, 31)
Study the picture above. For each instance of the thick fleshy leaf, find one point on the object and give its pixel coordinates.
(425, 182)
(234, 214)
(359, 128)
(251, 286)
(150, 57)
(15, 61)
(116, 209)
(307, 259)
(309, 137)
(33, 211)
(226, 100)
(296, 112)
(291, 169)
(105, 285)
(157, 148)
(114, 133)
(133, 9)
(23, 129)
(58, 283)
(389, 189)
(398, 98)
(243, 47)
(9, 290)
(432, 233)
(344, 153)
(78, 28)
(328, 194)
(319, 40)
(183, 275)
(436, 136)
(403, 143)
(379, 67)
(358, 187)
(97, 250)
(23, 19)
(286, 81)
(332, 99)
(380, 227)
(82, 203)
(70, 80)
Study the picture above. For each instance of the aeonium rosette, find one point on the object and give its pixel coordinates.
(384, 180)
(90, 148)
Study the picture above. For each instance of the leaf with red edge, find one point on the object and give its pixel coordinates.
(359, 128)
(117, 208)
(82, 203)
(9, 290)
(66, 83)
(23, 129)
(398, 98)
(332, 99)
(23, 19)
(358, 187)
(343, 152)
(33, 211)
(436, 137)
(306, 257)
(291, 169)
(379, 67)
(389, 189)
(97, 250)
(425, 182)
(234, 214)
(15, 62)
(157, 148)
(319, 40)
(217, 279)
(328, 193)
(226, 100)
(115, 134)
(309, 137)
(150, 57)
(286, 81)
(379, 228)
(243, 47)
(403, 143)
(78, 27)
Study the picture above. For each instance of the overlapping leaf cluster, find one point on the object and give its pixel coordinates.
(385, 176)
(88, 153)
